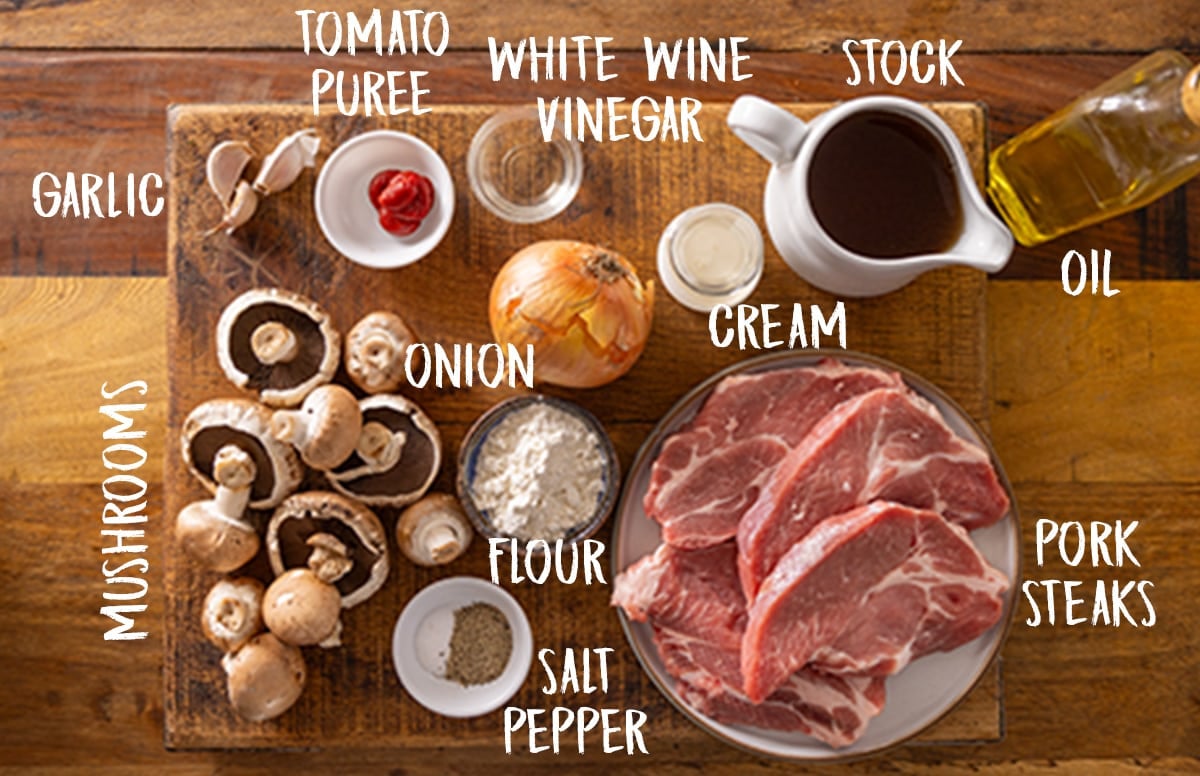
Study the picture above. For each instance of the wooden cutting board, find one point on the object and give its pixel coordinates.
(631, 190)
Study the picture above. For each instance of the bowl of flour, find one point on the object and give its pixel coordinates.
(536, 468)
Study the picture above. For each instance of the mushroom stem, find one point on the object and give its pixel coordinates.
(234, 472)
(378, 350)
(441, 541)
(330, 560)
(434, 530)
(290, 426)
(379, 446)
(274, 343)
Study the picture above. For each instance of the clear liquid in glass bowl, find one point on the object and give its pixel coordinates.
(519, 175)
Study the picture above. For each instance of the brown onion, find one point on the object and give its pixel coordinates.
(580, 306)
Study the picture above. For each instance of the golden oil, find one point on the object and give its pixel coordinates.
(1115, 149)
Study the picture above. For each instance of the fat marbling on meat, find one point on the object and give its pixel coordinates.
(886, 444)
(712, 470)
(694, 603)
(869, 591)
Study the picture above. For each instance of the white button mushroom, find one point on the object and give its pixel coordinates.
(326, 428)
(232, 612)
(302, 609)
(264, 678)
(434, 530)
(212, 531)
(376, 349)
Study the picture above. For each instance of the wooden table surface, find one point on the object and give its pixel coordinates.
(1093, 409)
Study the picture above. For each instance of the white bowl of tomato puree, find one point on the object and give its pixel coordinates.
(351, 222)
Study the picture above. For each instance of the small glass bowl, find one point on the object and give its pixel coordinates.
(472, 444)
(518, 175)
(741, 251)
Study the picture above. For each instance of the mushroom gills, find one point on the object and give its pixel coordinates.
(306, 362)
(411, 470)
(209, 441)
(295, 549)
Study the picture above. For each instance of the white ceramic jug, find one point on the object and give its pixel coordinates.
(788, 144)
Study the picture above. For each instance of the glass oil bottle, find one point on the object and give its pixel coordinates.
(1115, 149)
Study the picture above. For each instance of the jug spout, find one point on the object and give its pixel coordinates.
(767, 128)
(987, 244)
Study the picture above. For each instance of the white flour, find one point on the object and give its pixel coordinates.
(539, 473)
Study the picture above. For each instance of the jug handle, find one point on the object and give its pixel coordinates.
(767, 128)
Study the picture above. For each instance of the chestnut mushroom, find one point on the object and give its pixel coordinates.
(277, 343)
(302, 605)
(325, 429)
(264, 678)
(434, 530)
(232, 612)
(299, 534)
(376, 349)
(246, 425)
(212, 531)
(397, 457)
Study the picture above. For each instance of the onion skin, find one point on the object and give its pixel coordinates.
(581, 307)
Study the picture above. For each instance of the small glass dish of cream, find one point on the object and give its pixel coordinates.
(709, 255)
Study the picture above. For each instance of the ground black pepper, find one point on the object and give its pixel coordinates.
(480, 645)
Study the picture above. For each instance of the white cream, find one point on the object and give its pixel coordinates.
(709, 255)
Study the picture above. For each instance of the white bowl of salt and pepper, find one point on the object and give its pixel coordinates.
(462, 647)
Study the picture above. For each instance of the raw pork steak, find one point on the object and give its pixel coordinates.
(709, 473)
(693, 600)
(869, 591)
(686, 591)
(832, 708)
(887, 444)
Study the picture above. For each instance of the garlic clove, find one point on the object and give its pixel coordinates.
(239, 211)
(284, 164)
(226, 163)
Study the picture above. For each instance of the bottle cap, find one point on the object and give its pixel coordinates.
(1189, 94)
